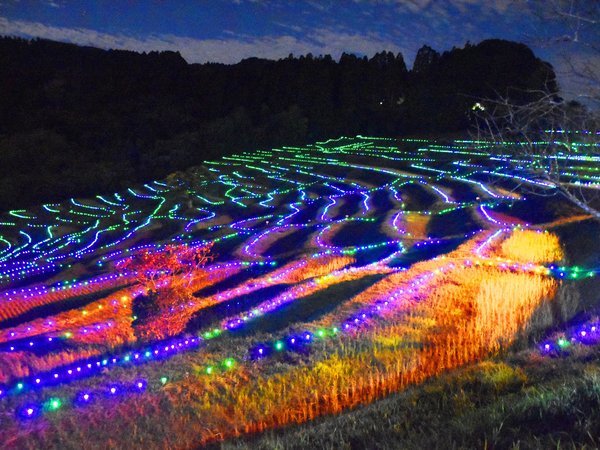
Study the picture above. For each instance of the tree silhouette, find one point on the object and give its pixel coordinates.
(114, 118)
(549, 130)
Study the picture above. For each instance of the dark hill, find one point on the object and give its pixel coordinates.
(78, 121)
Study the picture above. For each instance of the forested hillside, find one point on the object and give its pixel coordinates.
(84, 121)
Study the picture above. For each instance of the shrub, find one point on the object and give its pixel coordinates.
(167, 276)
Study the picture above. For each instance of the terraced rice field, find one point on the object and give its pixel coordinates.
(343, 272)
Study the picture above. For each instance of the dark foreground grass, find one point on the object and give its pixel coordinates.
(525, 402)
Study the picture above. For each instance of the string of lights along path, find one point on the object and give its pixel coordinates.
(285, 225)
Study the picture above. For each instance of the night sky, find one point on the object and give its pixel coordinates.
(228, 31)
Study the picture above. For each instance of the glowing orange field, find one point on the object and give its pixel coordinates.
(315, 293)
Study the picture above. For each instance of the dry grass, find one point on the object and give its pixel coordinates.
(532, 246)
(468, 313)
(23, 364)
(453, 326)
(316, 267)
(115, 309)
(416, 224)
(460, 314)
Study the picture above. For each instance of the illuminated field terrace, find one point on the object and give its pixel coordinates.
(343, 272)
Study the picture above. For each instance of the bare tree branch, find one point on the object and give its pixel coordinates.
(553, 144)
